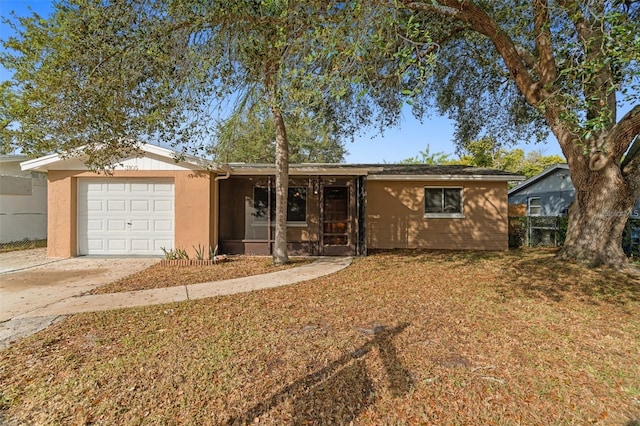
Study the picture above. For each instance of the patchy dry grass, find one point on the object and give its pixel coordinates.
(397, 338)
(158, 276)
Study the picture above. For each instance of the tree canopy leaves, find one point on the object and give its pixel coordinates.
(249, 137)
(502, 67)
(106, 75)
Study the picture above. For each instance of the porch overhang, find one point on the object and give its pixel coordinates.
(242, 169)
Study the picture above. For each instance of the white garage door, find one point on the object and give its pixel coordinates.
(125, 216)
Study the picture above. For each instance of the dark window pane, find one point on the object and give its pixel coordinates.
(260, 204)
(452, 201)
(433, 200)
(297, 205)
(442, 200)
(336, 203)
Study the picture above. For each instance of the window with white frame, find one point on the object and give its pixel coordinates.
(264, 202)
(443, 202)
(535, 206)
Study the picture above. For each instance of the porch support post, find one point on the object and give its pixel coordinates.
(269, 235)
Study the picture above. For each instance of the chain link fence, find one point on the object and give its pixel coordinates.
(22, 245)
(537, 231)
(631, 238)
(550, 231)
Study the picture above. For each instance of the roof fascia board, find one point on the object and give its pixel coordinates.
(494, 178)
(39, 163)
(311, 171)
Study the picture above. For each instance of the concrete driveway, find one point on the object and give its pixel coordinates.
(24, 259)
(30, 281)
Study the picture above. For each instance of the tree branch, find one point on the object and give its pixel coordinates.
(480, 22)
(590, 28)
(623, 133)
(529, 59)
(630, 167)
(544, 46)
(634, 152)
(522, 65)
(579, 20)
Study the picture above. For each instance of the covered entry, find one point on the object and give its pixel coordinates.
(324, 215)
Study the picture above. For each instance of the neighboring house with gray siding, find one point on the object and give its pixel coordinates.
(549, 193)
(547, 196)
(23, 201)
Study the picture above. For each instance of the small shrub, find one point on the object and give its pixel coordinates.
(168, 254)
(517, 231)
(561, 235)
(175, 254)
(199, 252)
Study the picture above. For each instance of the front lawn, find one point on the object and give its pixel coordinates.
(158, 276)
(396, 338)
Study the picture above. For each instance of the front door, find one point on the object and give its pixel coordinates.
(336, 221)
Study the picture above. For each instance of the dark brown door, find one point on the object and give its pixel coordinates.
(336, 221)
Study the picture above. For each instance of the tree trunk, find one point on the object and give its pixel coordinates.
(597, 217)
(280, 255)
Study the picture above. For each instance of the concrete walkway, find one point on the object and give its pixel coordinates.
(37, 319)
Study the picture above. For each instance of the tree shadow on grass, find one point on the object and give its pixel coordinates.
(553, 279)
(457, 258)
(534, 273)
(339, 392)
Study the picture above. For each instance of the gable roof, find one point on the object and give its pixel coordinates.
(546, 172)
(60, 162)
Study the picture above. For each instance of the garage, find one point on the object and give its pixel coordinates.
(118, 216)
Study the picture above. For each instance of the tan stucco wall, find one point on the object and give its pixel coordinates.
(62, 214)
(395, 217)
(193, 202)
(193, 210)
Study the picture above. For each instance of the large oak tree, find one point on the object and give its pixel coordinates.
(514, 68)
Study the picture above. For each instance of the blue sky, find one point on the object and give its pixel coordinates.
(395, 144)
